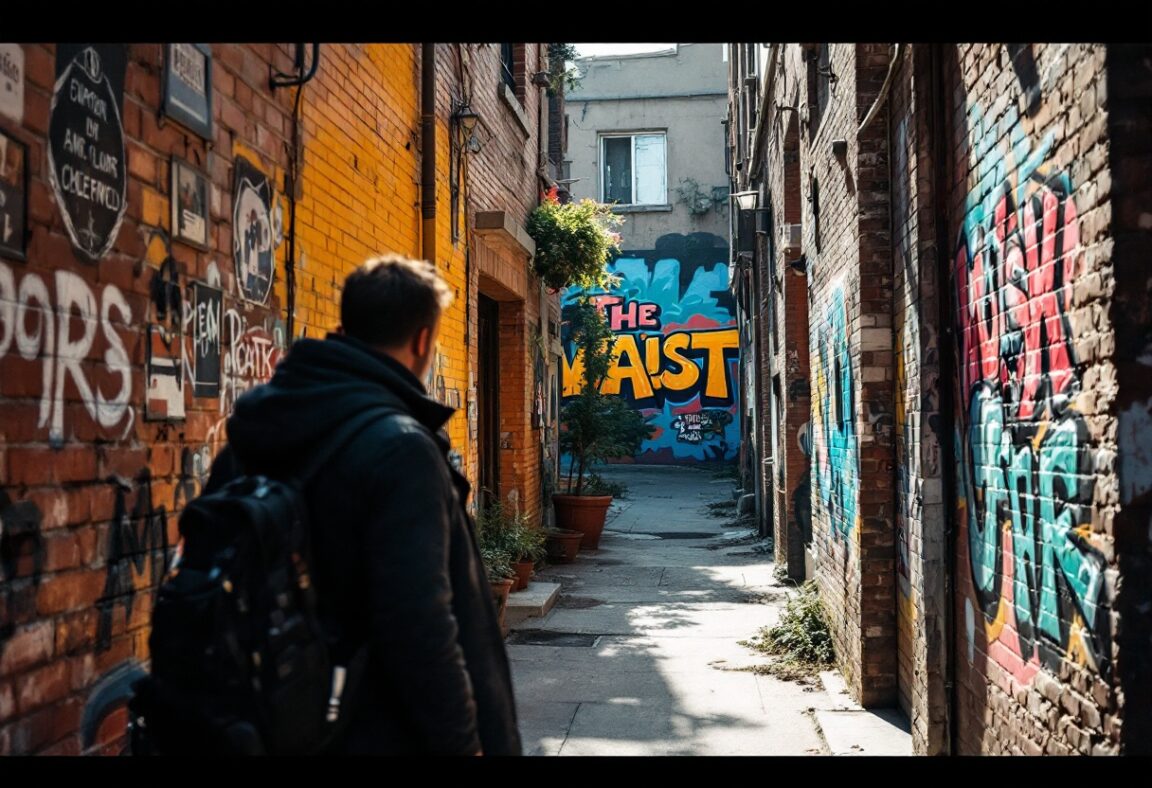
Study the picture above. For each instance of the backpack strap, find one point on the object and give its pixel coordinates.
(328, 449)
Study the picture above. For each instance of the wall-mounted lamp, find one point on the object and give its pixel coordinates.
(466, 118)
(465, 121)
(839, 148)
(745, 201)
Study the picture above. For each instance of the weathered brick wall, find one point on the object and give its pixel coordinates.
(782, 176)
(921, 548)
(1035, 412)
(91, 483)
(503, 175)
(847, 246)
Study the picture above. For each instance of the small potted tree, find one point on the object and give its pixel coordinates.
(593, 427)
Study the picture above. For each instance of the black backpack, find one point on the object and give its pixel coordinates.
(241, 662)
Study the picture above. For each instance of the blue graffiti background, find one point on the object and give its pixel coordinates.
(686, 276)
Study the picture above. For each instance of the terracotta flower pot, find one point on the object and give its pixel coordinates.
(563, 544)
(523, 574)
(583, 513)
(500, 590)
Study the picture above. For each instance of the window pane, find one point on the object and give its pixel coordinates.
(618, 170)
(650, 170)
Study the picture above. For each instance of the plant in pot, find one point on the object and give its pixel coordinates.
(497, 560)
(513, 534)
(594, 427)
(530, 545)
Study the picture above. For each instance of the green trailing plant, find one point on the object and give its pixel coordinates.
(593, 426)
(562, 76)
(574, 242)
(802, 639)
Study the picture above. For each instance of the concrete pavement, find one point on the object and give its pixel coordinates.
(640, 656)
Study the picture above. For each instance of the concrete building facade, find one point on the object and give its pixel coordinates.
(644, 134)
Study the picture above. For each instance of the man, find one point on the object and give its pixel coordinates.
(395, 562)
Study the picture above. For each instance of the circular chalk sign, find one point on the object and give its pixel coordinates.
(86, 154)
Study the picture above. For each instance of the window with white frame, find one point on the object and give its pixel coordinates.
(634, 168)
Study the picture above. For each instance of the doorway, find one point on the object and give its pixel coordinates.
(488, 404)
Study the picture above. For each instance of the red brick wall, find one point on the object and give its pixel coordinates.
(89, 495)
(90, 489)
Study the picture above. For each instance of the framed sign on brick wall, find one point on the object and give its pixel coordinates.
(188, 87)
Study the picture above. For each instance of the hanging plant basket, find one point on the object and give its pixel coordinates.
(574, 241)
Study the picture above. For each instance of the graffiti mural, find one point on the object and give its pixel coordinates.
(1026, 471)
(677, 346)
(21, 563)
(137, 540)
(61, 328)
(251, 354)
(835, 461)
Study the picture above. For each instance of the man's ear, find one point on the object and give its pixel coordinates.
(422, 342)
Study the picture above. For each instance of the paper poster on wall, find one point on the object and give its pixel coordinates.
(189, 204)
(12, 82)
(86, 154)
(13, 197)
(252, 236)
(207, 315)
(164, 400)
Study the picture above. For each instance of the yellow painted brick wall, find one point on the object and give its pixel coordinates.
(361, 193)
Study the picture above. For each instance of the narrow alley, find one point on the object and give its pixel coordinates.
(641, 654)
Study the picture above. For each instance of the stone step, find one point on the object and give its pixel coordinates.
(533, 602)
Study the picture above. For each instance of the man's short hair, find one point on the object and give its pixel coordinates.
(388, 299)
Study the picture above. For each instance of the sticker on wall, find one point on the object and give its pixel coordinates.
(207, 315)
(252, 238)
(12, 82)
(86, 161)
(13, 197)
(164, 399)
(188, 87)
(189, 204)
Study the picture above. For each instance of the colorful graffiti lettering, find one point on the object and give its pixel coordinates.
(1027, 481)
(835, 462)
(677, 347)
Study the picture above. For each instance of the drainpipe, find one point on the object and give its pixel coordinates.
(428, 151)
(879, 102)
(947, 356)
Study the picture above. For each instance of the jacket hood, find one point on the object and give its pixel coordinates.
(316, 388)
